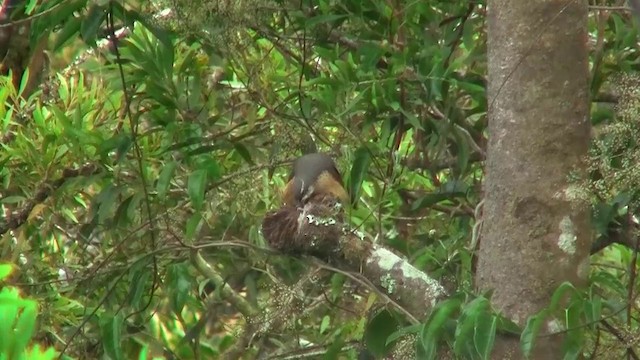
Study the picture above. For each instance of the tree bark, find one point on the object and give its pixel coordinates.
(534, 236)
(317, 229)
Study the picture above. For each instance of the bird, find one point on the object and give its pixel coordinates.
(314, 177)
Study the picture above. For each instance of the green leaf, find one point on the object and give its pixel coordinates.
(436, 76)
(434, 329)
(462, 138)
(55, 15)
(9, 309)
(412, 119)
(188, 60)
(324, 324)
(359, 169)
(137, 287)
(609, 281)
(305, 107)
(573, 339)
(192, 225)
(421, 354)
(68, 32)
(337, 284)
(473, 313)
(378, 330)
(87, 229)
(158, 31)
(91, 23)
(105, 201)
(23, 81)
(25, 326)
(335, 349)
(195, 188)
(413, 329)
(120, 142)
(30, 6)
(13, 199)
(164, 180)
(212, 167)
(374, 95)
(36, 353)
(5, 271)
(323, 19)
(370, 53)
(531, 331)
(110, 329)
(159, 92)
(485, 334)
(185, 143)
(593, 311)
(205, 149)
(143, 353)
(243, 152)
(560, 293)
(507, 325)
(429, 200)
(124, 213)
(448, 191)
(602, 215)
(179, 285)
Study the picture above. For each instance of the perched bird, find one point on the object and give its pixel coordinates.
(314, 177)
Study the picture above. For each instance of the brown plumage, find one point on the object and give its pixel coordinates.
(311, 221)
(314, 177)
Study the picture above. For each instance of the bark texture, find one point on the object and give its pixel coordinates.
(317, 229)
(534, 236)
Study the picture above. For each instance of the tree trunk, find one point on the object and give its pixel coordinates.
(534, 236)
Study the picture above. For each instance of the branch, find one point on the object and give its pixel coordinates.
(226, 292)
(19, 217)
(416, 163)
(318, 230)
(236, 300)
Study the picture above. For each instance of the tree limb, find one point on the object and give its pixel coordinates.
(318, 230)
(19, 217)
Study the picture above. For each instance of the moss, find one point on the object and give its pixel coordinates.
(388, 283)
(568, 238)
(615, 153)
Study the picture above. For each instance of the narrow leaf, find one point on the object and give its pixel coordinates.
(137, 287)
(179, 283)
(377, 332)
(531, 331)
(413, 329)
(110, 328)
(485, 334)
(196, 187)
(5, 271)
(165, 179)
(91, 23)
(361, 161)
(434, 329)
(25, 326)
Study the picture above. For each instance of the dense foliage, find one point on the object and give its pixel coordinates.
(132, 155)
